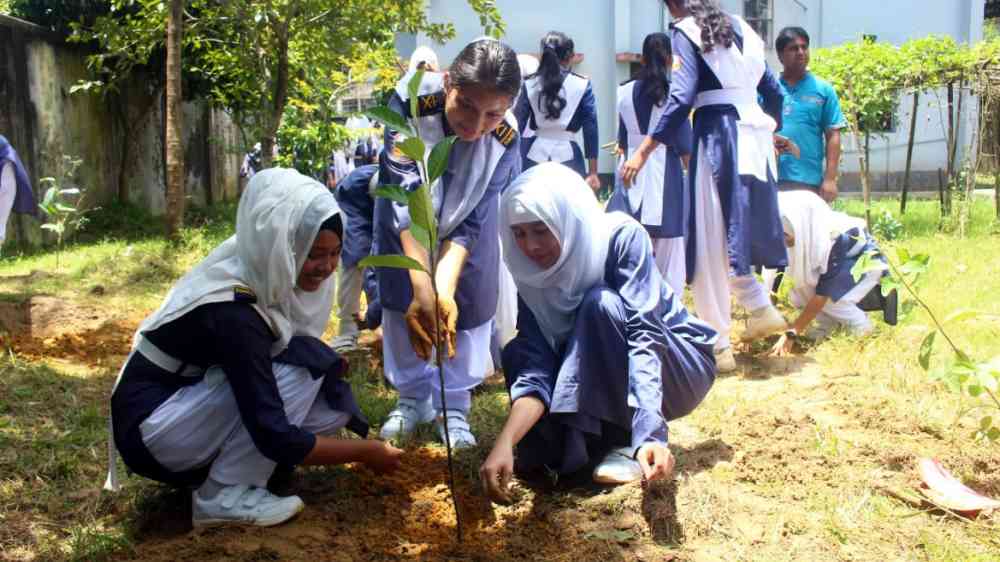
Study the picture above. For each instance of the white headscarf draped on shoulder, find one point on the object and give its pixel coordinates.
(557, 196)
(279, 216)
(815, 227)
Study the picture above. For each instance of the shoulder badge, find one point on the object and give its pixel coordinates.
(430, 104)
(244, 294)
(505, 133)
(677, 63)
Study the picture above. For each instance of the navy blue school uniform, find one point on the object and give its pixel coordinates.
(234, 336)
(357, 205)
(476, 295)
(365, 152)
(749, 205)
(24, 197)
(577, 115)
(676, 199)
(635, 360)
(846, 251)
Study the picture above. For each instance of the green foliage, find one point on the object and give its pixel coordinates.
(254, 58)
(306, 137)
(63, 204)
(960, 373)
(867, 76)
(887, 227)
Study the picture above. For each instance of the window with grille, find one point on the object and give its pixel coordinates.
(760, 15)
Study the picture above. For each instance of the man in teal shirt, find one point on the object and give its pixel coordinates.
(811, 119)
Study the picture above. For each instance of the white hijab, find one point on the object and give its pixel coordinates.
(815, 227)
(278, 219)
(557, 196)
(421, 54)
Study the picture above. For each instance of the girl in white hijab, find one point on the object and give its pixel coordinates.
(823, 246)
(605, 352)
(223, 380)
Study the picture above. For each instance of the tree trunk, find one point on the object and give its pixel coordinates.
(941, 193)
(174, 147)
(953, 149)
(280, 99)
(909, 152)
(866, 178)
(949, 163)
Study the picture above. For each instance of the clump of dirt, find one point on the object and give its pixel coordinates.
(44, 327)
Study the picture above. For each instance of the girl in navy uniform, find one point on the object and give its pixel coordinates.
(15, 187)
(556, 103)
(605, 352)
(355, 196)
(471, 101)
(823, 246)
(658, 197)
(719, 71)
(228, 378)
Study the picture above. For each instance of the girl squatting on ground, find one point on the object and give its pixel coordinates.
(471, 100)
(228, 378)
(658, 196)
(605, 352)
(556, 103)
(720, 71)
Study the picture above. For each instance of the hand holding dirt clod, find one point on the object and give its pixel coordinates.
(496, 473)
(656, 461)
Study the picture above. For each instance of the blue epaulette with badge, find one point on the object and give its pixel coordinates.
(430, 104)
(244, 294)
(505, 133)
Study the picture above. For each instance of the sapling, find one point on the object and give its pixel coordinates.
(961, 375)
(431, 165)
(63, 205)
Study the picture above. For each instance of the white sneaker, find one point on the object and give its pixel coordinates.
(764, 321)
(458, 429)
(618, 467)
(244, 505)
(725, 362)
(345, 342)
(404, 418)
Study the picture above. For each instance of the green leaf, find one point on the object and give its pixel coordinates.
(390, 119)
(413, 89)
(422, 214)
(926, 347)
(69, 191)
(393, 260)
(50, 196)
(866, 262)
(993, 434)
(54, 227)
(421, 235)
(974, 390)
(414, 148)
(395, 192)
(64, 208)
(985, 423)
(889, 284)
(987, 378)
(438, 161)
(903, 254)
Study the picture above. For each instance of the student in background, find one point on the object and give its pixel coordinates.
(557, 103)
(15, 187)
(658, 197)
(721, 71)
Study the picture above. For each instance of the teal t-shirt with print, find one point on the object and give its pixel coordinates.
(811, 108)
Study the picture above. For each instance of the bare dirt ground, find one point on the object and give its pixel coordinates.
(786, 460)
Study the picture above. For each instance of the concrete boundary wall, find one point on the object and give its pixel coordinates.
(120, 140)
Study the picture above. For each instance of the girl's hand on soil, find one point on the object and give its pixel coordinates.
(656, 461)
(448, 314)
(496, 473)
(420, 324)
(630, 169)
(382, 457)
(783, 347)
